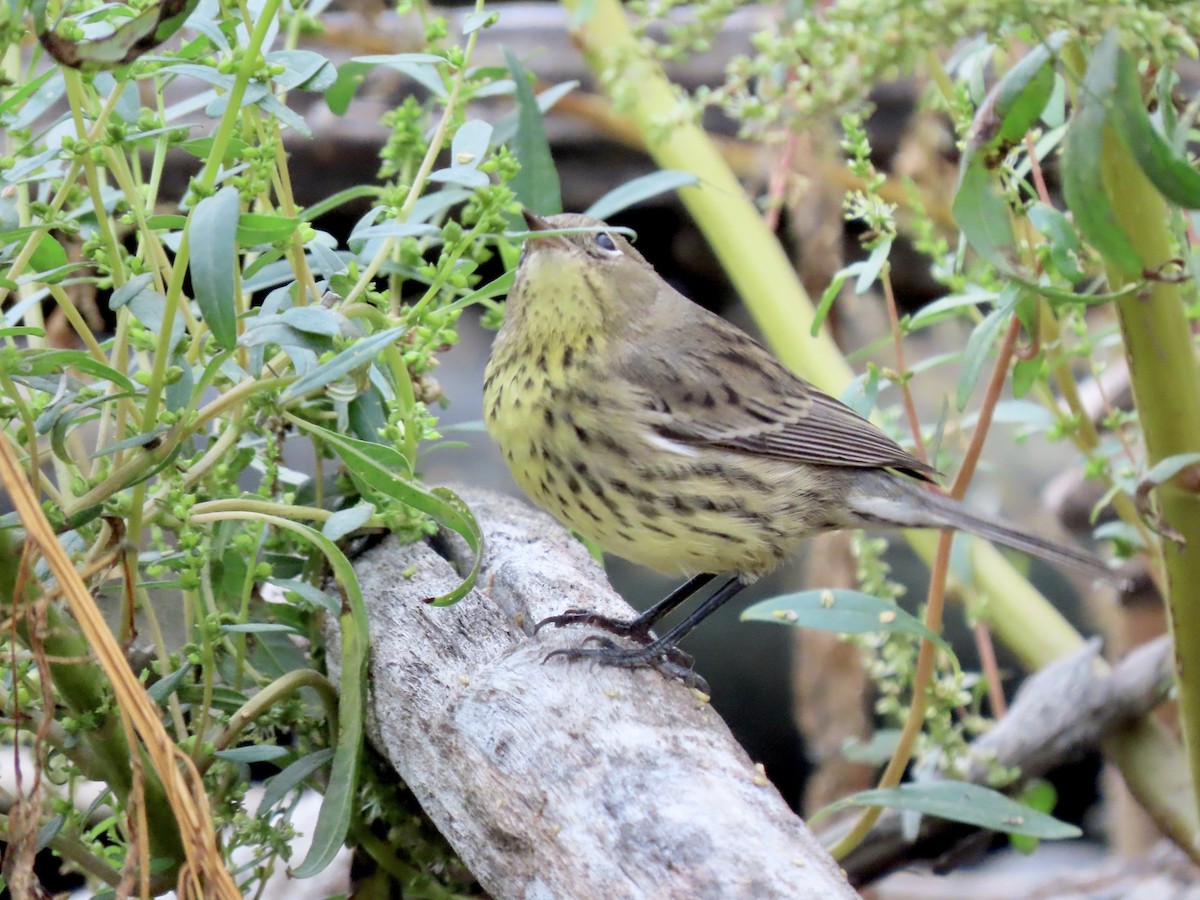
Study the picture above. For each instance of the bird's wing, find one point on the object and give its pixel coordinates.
(719, 387)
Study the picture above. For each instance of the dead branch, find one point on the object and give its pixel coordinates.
(1059, 713)
(563, 779)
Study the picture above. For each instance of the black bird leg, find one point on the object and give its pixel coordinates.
(661, 653)
(638, 629)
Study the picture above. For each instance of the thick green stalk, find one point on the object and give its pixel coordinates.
(1166, 387)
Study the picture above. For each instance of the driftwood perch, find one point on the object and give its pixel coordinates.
(563, 779)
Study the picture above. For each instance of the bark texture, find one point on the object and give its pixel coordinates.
(563, 779)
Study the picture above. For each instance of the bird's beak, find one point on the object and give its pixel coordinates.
(537, 223)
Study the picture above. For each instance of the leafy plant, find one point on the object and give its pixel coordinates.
(161, 356)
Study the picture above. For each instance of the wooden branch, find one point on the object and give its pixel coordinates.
(1059, 713)
(563, 779)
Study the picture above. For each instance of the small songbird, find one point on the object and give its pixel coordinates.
(673, 439)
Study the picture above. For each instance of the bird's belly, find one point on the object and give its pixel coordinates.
(679, 511)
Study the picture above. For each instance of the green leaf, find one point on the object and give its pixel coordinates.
(983, 215)
(344, 521)
(536, 185)
(257, 753)
(832, 291)
(358, 354)
(958, 801)
(1166, 469)
(341, 798)
(261, 228)
(470, 144)
(979, 344)
(1039, 794)
(1168, 170)
(639, 189)
(279, 786)
(1083, 184)
(257, 628)
(48, 255)
(166, 686)
(1061, 239)
(316, 320)
(304, 69)
(506, 128)
(874, 752)
(380, 469)
(54, 362)
(349, 76)
(483, 18)
(1015, 103)
(949, 306)
(212, 235)
(492, 289)
(839, 611)
(310, 593)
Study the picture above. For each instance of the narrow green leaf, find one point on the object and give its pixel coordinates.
(47, 256)
(839, 611)
(310, 593)
(165, 687)
(257, 628)
(340, 802)
(349, 76)
(212, 235)
(54, 362)
(950, 306)
(470, 143)
(381, 469)
(344, 521)
(832, 290)
(979, 344)
(1014, 103)
(358, 354)
(304, 70)
(1168, 170)
(279, 786)
(1061, 239)
(959, 801)
(506, 128)
(983, 215)
(536, 185)
(257, 753)
(1166, 469)
(492, 289)
(316, 320)
(639, 189)
(1083, 185)
(261, 228)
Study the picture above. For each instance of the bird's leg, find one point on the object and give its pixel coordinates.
(661, 653)
(638, 629)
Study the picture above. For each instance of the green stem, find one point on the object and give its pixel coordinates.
(1166, 388)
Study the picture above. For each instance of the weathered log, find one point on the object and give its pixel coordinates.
(562, 779)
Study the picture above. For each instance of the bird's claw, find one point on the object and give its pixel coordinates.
(630, 628)
(671, 661)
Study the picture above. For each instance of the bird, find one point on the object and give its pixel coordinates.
(670, 437)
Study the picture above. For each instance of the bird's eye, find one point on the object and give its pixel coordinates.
(524, 253)
(605, 242)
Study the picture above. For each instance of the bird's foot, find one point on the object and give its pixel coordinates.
(665, 658)
(635, 629)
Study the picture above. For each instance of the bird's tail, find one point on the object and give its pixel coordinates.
(889, 500)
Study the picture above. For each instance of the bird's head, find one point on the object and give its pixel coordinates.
(584, 275)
